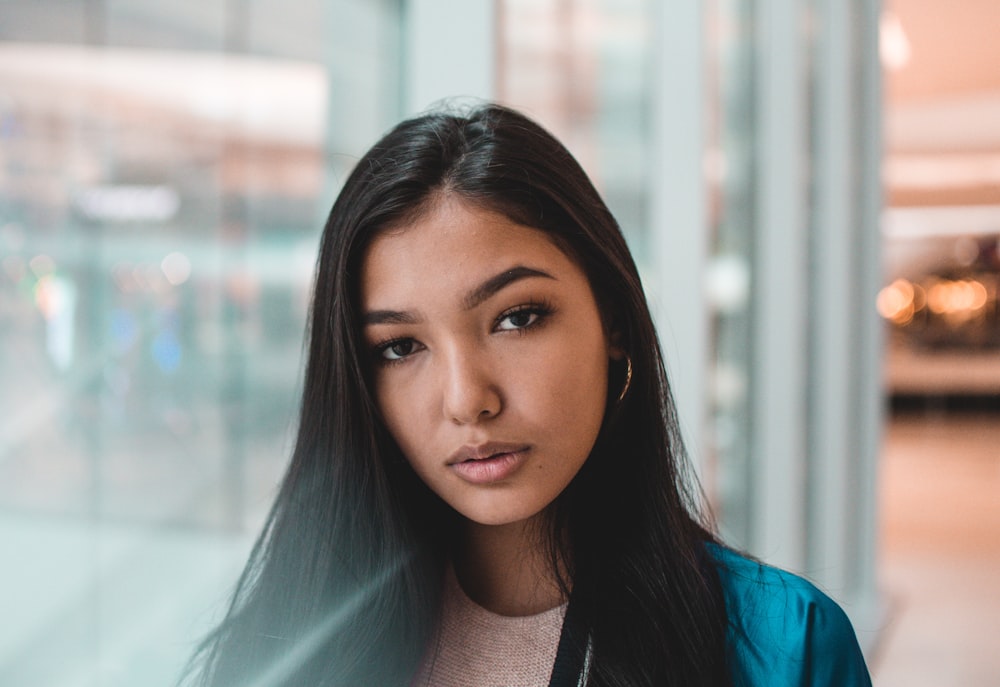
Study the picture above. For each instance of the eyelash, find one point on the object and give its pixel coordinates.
(379, 349)
(541, 309)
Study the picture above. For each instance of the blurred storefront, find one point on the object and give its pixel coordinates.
(942, 228)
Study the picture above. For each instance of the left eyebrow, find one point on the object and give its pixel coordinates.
(495, 284)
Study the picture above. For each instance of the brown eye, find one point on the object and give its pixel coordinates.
(397, 350)
(521, 318)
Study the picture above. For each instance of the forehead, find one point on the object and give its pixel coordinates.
(452, 245)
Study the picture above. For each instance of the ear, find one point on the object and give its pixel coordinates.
(615, 349)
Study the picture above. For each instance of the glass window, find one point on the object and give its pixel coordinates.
(167, 168)
(582, 68)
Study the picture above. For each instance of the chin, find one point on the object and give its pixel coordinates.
(498, 517)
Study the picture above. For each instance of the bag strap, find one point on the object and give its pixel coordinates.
(573, 653)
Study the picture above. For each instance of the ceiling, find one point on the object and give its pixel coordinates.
(942, 102)
(954, 49)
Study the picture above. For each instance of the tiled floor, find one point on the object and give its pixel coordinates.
(940, 551)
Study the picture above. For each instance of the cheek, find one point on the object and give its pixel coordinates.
(568, 392)
(402, 414)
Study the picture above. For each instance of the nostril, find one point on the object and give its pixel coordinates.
(474, 405)
(470, 395)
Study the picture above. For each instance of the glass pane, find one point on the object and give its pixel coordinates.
(731, 165)
(582, 68)
(166, 170)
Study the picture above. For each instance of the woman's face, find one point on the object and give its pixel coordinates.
(490, 358)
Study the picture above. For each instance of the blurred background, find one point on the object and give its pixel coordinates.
(811, 188)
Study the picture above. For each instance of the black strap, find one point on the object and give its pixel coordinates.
(572, 651)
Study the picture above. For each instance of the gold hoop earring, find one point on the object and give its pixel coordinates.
(628, 378)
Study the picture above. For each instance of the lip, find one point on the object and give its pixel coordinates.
(489, 462)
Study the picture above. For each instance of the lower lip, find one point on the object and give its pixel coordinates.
(493, 469)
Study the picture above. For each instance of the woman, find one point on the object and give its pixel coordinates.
(488, 485)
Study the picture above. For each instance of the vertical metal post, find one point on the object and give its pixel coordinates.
(679, 233)
(830, 322)
(778, 374)
(861, 502)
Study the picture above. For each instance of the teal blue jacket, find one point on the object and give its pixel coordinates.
(783, 631)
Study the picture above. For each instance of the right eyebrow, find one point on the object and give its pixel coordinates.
(389, 317)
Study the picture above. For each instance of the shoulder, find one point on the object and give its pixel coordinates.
(783, 630)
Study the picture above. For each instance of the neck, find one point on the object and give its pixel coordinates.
(506, 569)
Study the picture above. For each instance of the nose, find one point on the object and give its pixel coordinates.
(471, 393)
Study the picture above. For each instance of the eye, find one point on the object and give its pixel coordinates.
(522, 317)
(518, 320)
(393, 351)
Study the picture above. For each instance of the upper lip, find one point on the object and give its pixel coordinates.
(484, 451)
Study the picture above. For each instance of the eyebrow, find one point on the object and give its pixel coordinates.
(473, 298)
(495, 284)
(389, 317)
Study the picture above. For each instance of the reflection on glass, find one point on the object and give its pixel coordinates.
(730, 172)
(166, 169)
(582, 68)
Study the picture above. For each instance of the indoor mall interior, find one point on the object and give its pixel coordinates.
(811, 189)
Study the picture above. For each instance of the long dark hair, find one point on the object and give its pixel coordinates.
(343, 585)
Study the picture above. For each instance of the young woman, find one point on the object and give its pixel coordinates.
(488, 485)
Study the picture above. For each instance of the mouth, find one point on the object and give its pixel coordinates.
(487, 451)
(487, 463)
